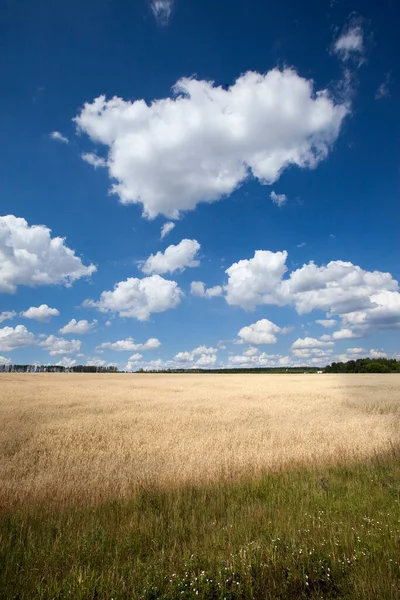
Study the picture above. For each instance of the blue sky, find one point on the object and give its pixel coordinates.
(267, 135)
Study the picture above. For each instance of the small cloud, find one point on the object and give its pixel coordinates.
(278, 199)
(331, 235)
(59, 137)
(166, 228)
(161, 10)
(94, 160)
(383, 90)
(350, 44)
(301, 245)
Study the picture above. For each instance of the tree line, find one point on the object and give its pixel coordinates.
(56, 369)
(365, 365)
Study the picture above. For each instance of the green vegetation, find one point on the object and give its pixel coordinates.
(301, 534)
(365, 365)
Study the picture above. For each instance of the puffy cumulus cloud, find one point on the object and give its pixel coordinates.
(30, 256)
(363, 299)
(383, 312)
(5, 361)
(166, 229)
(308, 342)
(12, 338)
(40, 313)
(355, 350)
(133, 362)
(350, 44)
(94, 160)
(203, 142)
(260, 360)
(175, 258)
(135, 357)
(251, 351)
(78, 327)
(161, 10)
(198, 288)
(66, 362)
(319, 353)
(139, 298)
(7, 315)
(205, 350)
(55, 345)
(377, 354)
(206, 360)
(202, 356)
(326, 322)
(344, 334)
(256, 280)
(95, 362)
(261, 332)
(278, 199)
(57, 136)
(129, 345)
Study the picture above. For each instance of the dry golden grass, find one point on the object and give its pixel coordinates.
(80, 438)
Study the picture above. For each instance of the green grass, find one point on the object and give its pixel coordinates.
(283, 536)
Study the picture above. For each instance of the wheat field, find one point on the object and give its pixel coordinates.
(77, 439)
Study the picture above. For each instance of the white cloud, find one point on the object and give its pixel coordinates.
(301, 245)
(184, 357)
(161, 10)
(206, 360)
(251, 351)
(7, 315)
(355, 350)
(344, 334)
(78, 327)
(175, 258)
(203, 142)
(256, 280)
(30, 256)
(323, 353)
(308, 342)
(383, 90)
(350, 44)
(95, 362)
(5, 361)
(326, 322)
(59, 137)
(135, 357)
(107, 323)
(204, 350)
(55, 345)
(278, 199)
(40, 313)
(326, 338)
(198, 288)
(261, 332)
(66, 362)
(12, 338)
(139, 298)
(94, 160)
(166, 228)
(129, 345)
(377, 354)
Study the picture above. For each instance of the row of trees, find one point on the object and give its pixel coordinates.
(365, 365)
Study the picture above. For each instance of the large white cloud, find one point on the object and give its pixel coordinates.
(30, 256)
(55, 345)
(40, 313)
(363, 299)
(129, 345)
(257, 280)
(261, 332)
(12, 338)
(78, 327)
(139, 298)
(7, 315)
(174, 258)
(308, 342)
(203, 142)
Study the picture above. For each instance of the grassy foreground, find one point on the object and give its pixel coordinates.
(287, 535)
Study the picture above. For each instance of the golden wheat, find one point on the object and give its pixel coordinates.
(80, 438)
